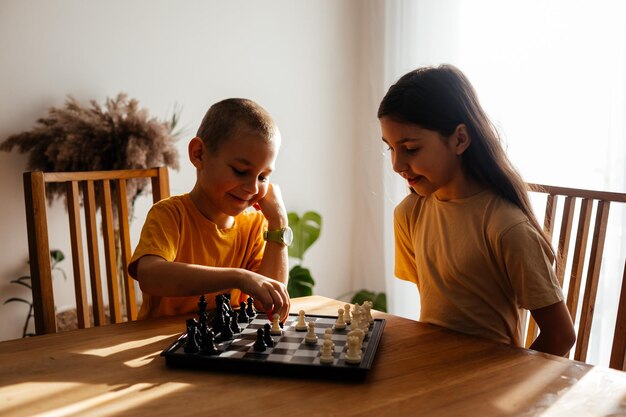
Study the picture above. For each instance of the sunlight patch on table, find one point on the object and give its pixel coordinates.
(587, 396)
(116, 401)
(530, 387)
(112, 350)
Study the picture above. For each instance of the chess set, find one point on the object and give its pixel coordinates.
(251, 342)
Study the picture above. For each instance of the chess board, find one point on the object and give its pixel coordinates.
(290, 355)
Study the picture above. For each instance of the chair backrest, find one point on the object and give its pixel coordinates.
(96, 186)
(579, 260)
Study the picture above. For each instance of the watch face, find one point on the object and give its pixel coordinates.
(287, 236)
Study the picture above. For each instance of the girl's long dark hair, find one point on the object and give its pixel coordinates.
(441, 98)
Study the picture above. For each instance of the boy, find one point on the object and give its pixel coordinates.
(205, 242)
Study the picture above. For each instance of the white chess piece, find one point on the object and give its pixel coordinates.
(346, 317)
(301, 324)
(356, 318)
(311, 337)
(326, 351)
(275, 329)
(340, 324)
(353, 355)
(328, 335)
(368, 305)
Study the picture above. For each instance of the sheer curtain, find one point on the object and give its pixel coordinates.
(551, 75)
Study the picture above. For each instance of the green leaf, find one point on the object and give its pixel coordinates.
(306, 230)
(300, 282)
(22, 281)
(21, 300)
(56, 256)
(379, 300)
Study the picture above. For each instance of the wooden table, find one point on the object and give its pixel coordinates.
(419, 370)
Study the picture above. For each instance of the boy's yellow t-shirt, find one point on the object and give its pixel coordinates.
(477, 263)
(176, 231)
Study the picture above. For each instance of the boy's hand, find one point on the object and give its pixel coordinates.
(273, 207)
(272, 295)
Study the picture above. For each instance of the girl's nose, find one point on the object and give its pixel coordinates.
(398, 164)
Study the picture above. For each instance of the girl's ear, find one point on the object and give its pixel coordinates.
(196, 152)
(462, 139)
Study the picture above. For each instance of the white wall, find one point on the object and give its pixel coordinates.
(297, 58)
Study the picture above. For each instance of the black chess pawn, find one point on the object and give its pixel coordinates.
(242, 317)
(191, 343)
(250, 311)
(208, 345)
(259, 344)
(267, 336)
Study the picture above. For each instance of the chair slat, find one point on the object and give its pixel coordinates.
(591, 285)
(91, 229)
(564, 238)
(578, 261)
(618, 350)
(129, 284)
(108, 229)
(39, 250)
(548, 219)
(78, 260)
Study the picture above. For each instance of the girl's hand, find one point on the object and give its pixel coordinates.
(273, 207)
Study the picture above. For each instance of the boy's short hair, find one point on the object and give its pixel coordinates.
(228, 117)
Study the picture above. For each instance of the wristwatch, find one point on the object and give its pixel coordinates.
(284, 236)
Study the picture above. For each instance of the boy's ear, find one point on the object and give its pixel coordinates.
(196, 152)
(462, 139)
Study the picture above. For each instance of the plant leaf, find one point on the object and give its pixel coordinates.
(306, 230)
(379, 300)
(22, 281)
(17, 299)
(300, 282)
(56, 255)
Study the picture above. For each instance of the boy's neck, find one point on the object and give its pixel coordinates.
(221, 220)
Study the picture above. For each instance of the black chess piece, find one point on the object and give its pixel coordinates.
(191, 343)
(242, 317)
(218, 320)
(259, 344)
(202, 315)
(250, 311)
(208, 345)
(234, 327)
(225, 332)
(267, 336)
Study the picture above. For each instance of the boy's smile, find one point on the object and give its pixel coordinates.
(234, 177)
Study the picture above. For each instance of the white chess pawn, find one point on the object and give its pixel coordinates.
(326, 351)
(311, 337)
(346, 317)
(301, 324)
(328, 335)
(353, 355)
(340, 324)
(275, 330)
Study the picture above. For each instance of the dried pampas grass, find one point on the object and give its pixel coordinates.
(119, 135)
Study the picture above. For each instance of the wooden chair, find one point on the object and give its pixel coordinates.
(589, 202)
(96, 186)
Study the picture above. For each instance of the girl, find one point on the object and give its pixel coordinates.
(466, 235)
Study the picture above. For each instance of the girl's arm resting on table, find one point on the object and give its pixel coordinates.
(155, 277)
(556, 331)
